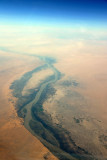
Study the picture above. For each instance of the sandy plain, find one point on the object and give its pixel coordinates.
(89, 71)
(82, 109)
(16, 143)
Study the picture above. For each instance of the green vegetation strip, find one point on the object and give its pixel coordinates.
(53, 136)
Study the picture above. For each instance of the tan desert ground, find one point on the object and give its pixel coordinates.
(78, 105)
(16, 143)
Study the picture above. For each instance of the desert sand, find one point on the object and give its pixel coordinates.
(16, 143)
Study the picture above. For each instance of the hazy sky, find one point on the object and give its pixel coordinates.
(53, 26)
(54, 12)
